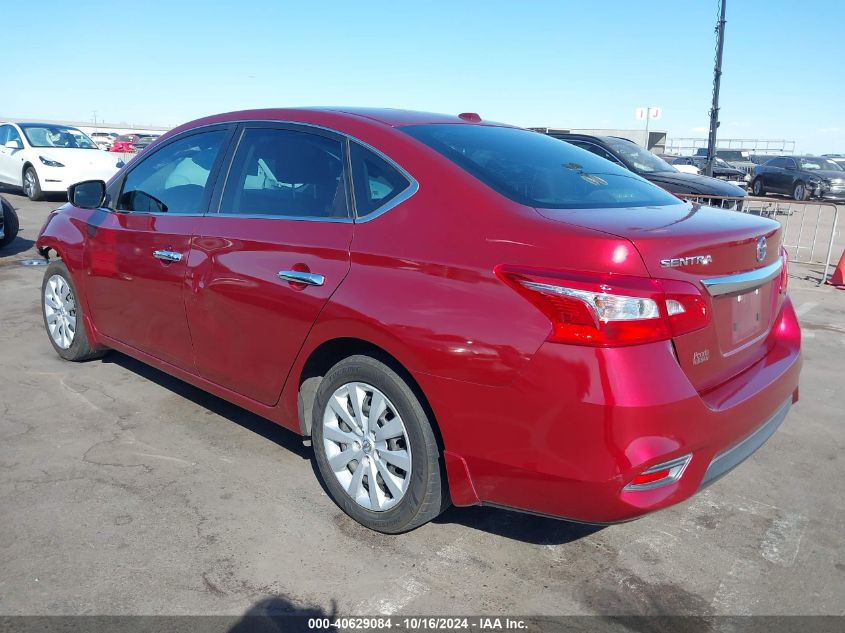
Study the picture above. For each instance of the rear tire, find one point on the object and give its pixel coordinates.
(31, 185)
(416, 493)
(757, 188)
(63, 317)
(799, 191)
(10, 223)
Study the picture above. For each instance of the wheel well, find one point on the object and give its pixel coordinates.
(332, 352)
(45, 252)
(26, 166)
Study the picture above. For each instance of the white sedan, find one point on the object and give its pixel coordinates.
(48, 158)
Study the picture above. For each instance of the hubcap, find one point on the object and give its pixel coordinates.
(28, 183)
(366, 445)
(60, 311)
(799, 192)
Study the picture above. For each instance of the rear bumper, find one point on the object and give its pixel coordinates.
(579, 424)
(732, 457)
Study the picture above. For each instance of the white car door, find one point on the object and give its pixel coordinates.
(11, 160)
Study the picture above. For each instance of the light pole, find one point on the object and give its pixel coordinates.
(717, 78)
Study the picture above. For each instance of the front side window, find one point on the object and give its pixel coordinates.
(174, 179)
(537, 170)
(286, 173)
(377, 182)
(43, 135)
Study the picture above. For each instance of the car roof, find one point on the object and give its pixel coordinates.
(72, 127)
(332, 116)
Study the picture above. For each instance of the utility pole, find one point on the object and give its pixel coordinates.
(717, 78)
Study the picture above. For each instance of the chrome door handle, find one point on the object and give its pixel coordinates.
(298, 277)
(167, 256)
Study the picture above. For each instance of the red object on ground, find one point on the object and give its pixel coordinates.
(838, 278)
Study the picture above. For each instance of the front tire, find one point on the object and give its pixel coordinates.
(799, 192)
(375, 447)
(10, 223)
(63, 318)
(31, 185)
(757, 187)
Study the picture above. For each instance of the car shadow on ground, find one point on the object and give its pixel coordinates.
(59, 196)
(279, 614)
(17, 246)
(518, 526)
(255, 423)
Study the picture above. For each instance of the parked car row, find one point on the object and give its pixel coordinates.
(46, 157)
(128, 143)
(125, 143)
(721, 169)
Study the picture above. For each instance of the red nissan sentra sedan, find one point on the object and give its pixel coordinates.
(452, 310)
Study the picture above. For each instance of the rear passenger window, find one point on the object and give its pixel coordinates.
(288, 174)
(173, 179)
(377, 182)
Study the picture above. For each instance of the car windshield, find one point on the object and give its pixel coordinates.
(819, 164)
(719, 162)
(638, 158)
(42, 135)
(537, 170)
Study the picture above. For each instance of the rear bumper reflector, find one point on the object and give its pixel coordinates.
(660, 475)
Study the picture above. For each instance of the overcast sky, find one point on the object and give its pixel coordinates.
(557, 64)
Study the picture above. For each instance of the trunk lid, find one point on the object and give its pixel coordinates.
(717, 251)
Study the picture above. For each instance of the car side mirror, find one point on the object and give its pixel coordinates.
(88, 194)
(14, 144)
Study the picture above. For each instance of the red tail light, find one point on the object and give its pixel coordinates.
(784, 271)
(609, 310)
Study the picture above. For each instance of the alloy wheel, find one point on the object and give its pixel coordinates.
(60, 311)
(366, 446)
(28, 183)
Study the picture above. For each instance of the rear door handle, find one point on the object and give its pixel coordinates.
(298, 277)
(167, 256)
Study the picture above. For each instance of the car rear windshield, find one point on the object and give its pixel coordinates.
(537, 170)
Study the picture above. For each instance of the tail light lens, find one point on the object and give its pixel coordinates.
(784, 271)
(609, 310)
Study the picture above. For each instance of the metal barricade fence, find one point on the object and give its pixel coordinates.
(810, 228)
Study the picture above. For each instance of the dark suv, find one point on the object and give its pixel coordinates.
(802, 177)
(643, 163)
